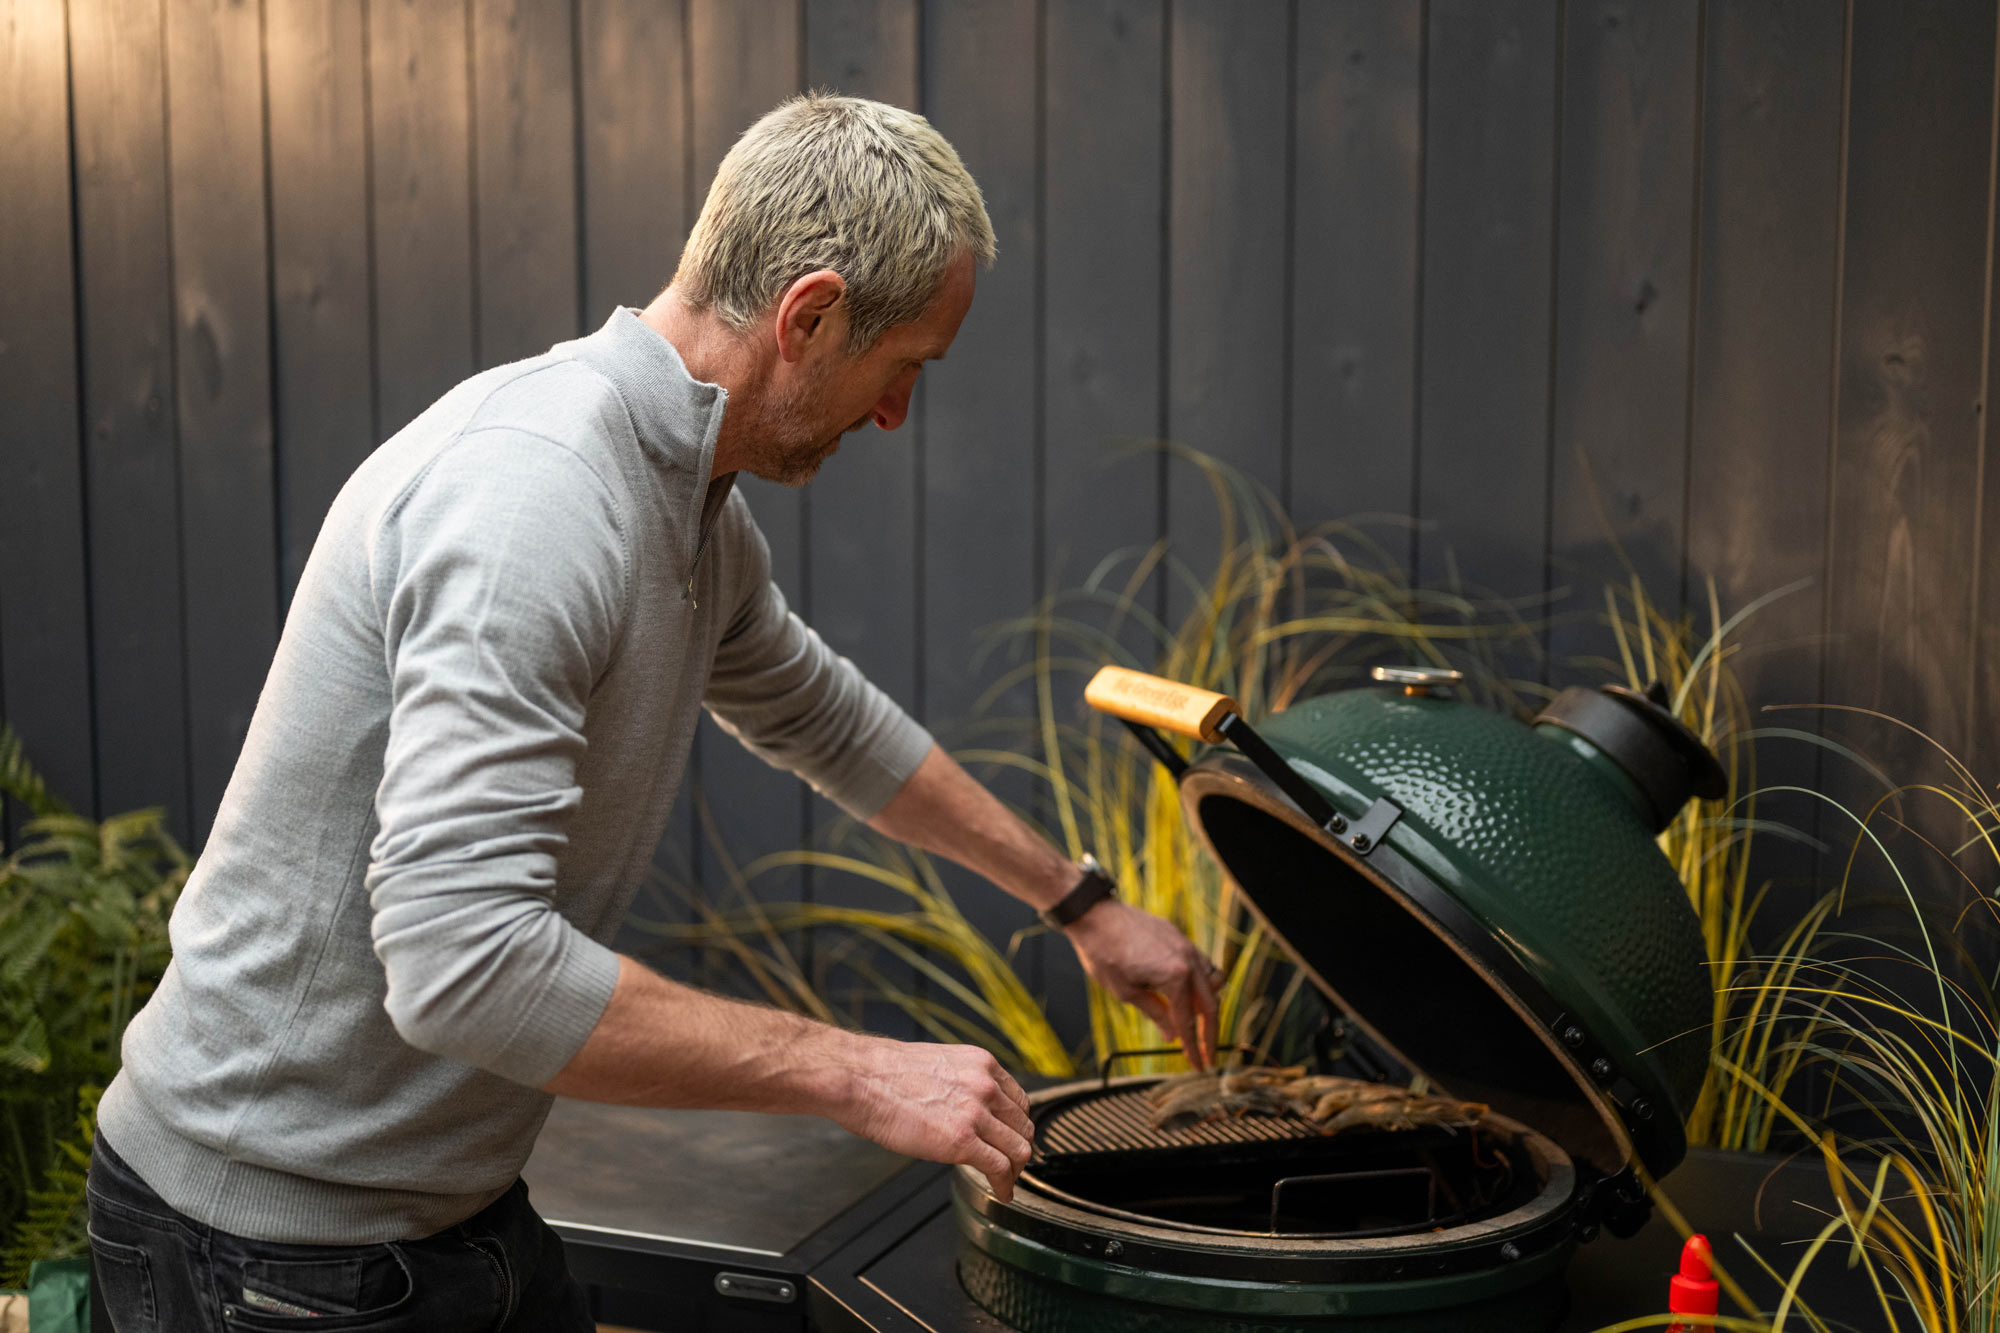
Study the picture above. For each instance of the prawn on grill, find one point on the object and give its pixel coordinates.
(1189, 1098)
(1215, 1082)
(1186, 1100)
(1354, 1094)
(1408, 1113)
(1195, 1103)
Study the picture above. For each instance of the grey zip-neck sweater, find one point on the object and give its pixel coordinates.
(461, 761)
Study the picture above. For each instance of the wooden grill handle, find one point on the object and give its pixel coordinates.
(1158, 702)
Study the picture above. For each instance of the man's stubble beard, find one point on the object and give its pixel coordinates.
(789, 444)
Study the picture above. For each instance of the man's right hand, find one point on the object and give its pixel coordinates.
(941, 1103)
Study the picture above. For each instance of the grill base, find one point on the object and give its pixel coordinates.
(1120, 1228)
(1032, 1303)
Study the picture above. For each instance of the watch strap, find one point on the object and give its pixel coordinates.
(1093, 888)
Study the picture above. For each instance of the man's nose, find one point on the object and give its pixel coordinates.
(893, 406)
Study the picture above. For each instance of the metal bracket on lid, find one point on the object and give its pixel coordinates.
(1365, 834)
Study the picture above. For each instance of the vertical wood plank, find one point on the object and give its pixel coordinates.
(1763, 363)
(1619, 471)
(1489, 176)
(1104, 318)
(860, 539)
(223, 383)
(420, 125)
(1227, 265)
(1906, 461)
(319, 261)
(1107, 203)
(860, 516)
(635, 187)
(744, 59)
(44, 630)
(863, 48)
(119, 101)
(979, 497)
(1356, 183)
(525, 176)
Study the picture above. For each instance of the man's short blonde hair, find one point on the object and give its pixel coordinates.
(823, 182)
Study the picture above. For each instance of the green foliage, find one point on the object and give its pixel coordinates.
(83, 941)
(53, 1224)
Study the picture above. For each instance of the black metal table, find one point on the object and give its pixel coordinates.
(695, 1220)
(707, 1220)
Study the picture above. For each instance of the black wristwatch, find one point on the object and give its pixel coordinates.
(1093, 888)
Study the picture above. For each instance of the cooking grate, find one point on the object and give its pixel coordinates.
(1121, 1120)
(1267, 1175)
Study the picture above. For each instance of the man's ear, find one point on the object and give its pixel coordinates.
(810, 312)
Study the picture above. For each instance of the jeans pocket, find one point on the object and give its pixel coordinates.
(314, 1287)
(125, 1274)
(269, 1295)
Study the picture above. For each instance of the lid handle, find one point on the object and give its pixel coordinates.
(1146, 702)
(1154, 701)
(1418, 681)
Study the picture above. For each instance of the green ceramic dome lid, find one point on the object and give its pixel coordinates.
(1488, 900)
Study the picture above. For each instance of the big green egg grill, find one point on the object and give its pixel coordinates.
(1487, 900)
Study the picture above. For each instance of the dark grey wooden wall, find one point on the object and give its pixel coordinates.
(1712, 279)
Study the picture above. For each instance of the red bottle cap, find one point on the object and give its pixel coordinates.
(1694, 1289)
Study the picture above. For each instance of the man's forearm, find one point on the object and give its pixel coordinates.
(660, 1043)
(663, 1044)
(1139, 957)
(942, 809)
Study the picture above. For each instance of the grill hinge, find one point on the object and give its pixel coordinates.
(1618, 1203)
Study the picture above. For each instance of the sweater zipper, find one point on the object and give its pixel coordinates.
(710, 513)
(700, 545)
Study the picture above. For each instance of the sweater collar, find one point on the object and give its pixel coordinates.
(675, 415)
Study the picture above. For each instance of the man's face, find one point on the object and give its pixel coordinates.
(829, 393)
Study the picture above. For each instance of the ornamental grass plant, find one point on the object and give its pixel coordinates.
(1899, 1024)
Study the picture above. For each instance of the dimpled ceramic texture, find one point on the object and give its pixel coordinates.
(1550, 854)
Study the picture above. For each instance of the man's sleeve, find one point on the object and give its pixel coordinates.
(797, 704)
(500, 580)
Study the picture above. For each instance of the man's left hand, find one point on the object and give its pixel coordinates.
(1145, 961)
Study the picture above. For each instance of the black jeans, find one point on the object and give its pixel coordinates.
(163, 1272)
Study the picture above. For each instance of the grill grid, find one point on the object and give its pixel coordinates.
(1121, 1120)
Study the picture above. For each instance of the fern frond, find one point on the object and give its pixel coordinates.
(55, 1223)
(54, 1226)
(29, 1049)
(20, 779)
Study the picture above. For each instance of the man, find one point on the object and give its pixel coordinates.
(393, 950)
